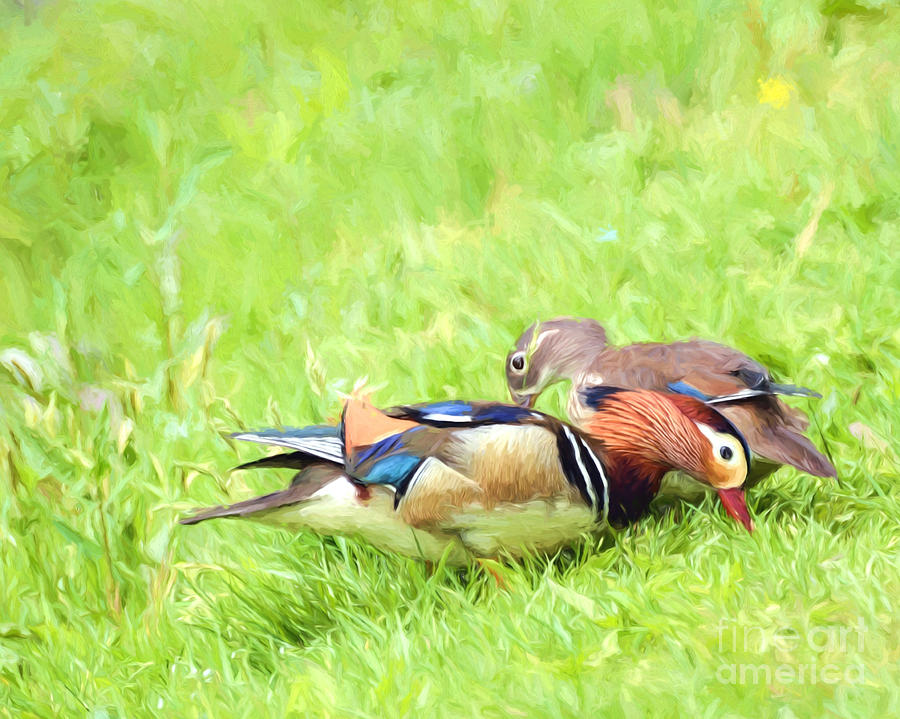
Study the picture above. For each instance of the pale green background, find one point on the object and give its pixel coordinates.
(227, 214)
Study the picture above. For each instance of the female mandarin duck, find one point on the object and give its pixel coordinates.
(490, 478)
(741, 389)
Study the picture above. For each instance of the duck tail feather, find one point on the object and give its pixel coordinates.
(304, 485)
(783, 445)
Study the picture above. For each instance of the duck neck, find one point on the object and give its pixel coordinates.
(633, 483)
(574, 357)
(648, 427)
(642, 439)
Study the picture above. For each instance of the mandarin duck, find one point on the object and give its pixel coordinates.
(481, 479)
(740, 388)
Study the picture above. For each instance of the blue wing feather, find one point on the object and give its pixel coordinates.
(684, 388)
(456, 408)
(392, 460)
(503, 414)
(385, 446)
(388, 461)
(458, 414)
(393, 469)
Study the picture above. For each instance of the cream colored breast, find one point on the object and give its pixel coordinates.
(506, 529)
(538, 526)
(336, 510)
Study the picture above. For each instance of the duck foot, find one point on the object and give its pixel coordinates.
(485, 564)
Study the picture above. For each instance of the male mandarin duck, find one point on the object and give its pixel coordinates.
(741, 389)
(490, 478)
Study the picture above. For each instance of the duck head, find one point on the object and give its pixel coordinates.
(648, 433)
(551, 351)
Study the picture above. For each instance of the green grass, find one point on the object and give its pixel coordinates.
(224, 217)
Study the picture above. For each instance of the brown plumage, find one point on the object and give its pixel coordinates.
(484, 478)
(645, 434)
(303, 486)
(741, 389)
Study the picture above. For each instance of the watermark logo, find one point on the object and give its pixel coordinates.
(828, 650)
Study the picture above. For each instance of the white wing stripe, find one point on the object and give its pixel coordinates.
(603, 479)
(588, 483)
(744, 393)
(420, 470)
(439, 417)
(325, 447)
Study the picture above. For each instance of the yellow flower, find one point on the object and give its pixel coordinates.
(776, 91)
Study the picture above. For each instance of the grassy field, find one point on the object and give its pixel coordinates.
(224, 217)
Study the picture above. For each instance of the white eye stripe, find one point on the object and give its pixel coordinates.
(719, 440)
(532, 348)
(542, 336)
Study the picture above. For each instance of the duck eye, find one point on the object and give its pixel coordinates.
(726, 453)
(517, 362)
